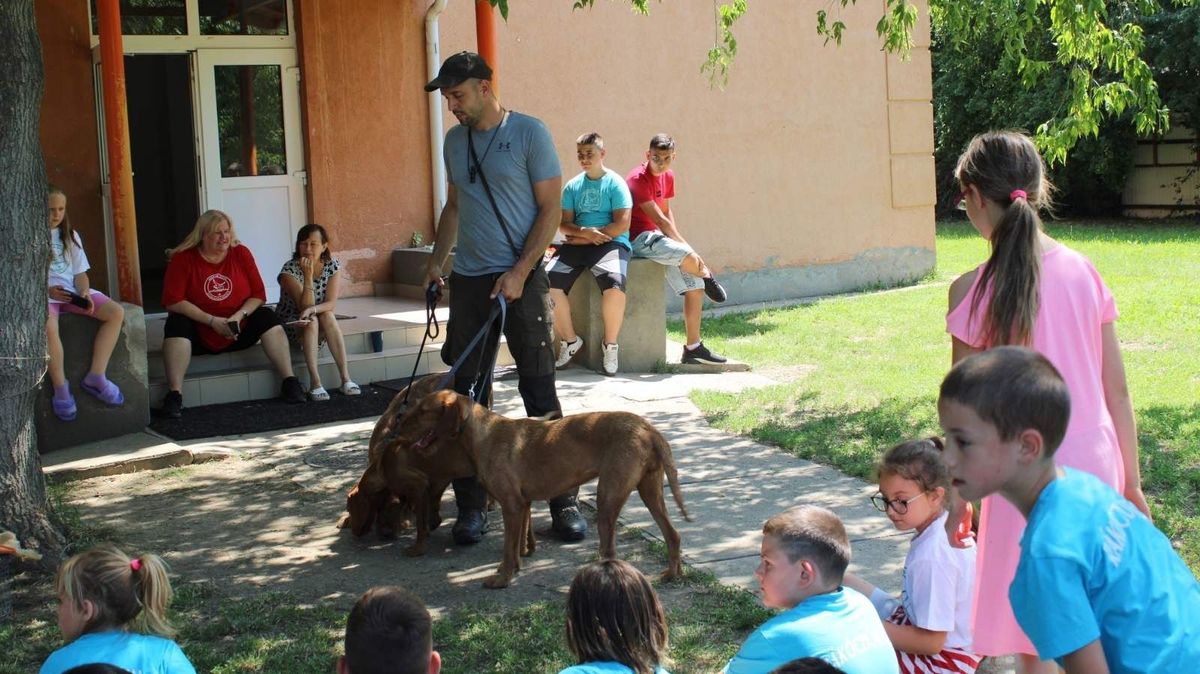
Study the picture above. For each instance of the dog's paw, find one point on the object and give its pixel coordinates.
(498, 581)
(672, 573)
(415, 550)
(343, 521)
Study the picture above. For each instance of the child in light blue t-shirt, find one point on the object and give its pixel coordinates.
(805, 552)
(615, 622)
(1098, 588)
(101, 594)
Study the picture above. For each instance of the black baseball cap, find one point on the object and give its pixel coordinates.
(462, 66)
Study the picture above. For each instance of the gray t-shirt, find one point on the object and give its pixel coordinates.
(521, 154)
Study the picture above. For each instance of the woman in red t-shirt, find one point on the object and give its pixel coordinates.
(214, 300)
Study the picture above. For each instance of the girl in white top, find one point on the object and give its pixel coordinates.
(68, 283)
(930, 624)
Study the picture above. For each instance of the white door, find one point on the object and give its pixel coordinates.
(252, 153)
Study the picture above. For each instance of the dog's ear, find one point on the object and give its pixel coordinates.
(450, 423)
(465, 405)
(360, 511)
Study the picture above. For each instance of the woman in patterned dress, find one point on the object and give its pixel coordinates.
(309, 289)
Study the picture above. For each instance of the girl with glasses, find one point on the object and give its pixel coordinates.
(930, 624)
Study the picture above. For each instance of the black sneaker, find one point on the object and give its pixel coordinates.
(291, 391)
(699, 355)
(172, 405)
(470, 527)
(568, 524)
(715, 291)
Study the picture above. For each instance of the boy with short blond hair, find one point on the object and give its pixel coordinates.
(595, 222)
(805, 553)
(1098, 588)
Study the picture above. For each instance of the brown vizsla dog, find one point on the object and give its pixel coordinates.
(447, 435)
(369, 502)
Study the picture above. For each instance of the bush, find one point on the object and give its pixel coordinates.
(974, 93)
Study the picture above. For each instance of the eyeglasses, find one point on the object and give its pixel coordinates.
(899, 506)
(962, 201)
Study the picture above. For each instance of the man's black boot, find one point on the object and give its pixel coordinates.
(567, 523)
(470, 526)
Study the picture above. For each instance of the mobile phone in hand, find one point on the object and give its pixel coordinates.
(234, 328)
(79, 301)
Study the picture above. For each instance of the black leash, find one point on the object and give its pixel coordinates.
(483, 375)
(482, 380)
(432, 330)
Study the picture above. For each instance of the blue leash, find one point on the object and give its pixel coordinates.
(479, 385)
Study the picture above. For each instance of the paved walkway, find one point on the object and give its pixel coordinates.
(730, 484)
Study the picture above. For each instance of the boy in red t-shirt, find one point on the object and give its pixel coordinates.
(656, 237)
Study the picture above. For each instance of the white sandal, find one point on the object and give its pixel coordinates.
(350, 389)
(319, 394)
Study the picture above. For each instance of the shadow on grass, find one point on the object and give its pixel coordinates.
(753, 323)
(1121, 230)
(847, 438)
(1169, 441)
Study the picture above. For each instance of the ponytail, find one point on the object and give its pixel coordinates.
(152, 587)
(126, 592)
(1006, 168)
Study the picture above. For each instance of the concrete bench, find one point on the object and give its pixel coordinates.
(127, 369)
(643, 337)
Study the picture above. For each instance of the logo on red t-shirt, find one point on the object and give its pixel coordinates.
(218, 287)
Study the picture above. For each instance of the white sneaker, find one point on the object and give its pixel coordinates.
(610, 359)
(567, 351)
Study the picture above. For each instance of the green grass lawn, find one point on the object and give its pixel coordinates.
(860, 373)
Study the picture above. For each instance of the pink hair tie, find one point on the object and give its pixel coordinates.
(1017, 194)
(135, 564)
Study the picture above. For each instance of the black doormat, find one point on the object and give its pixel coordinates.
(257, 416)
(393, 385)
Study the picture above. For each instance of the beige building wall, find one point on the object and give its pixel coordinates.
(1166, 176)
(811, 172)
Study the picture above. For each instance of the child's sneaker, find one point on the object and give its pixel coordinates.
(567, 351)
(700, 354)
(610, 359)
(714, 290)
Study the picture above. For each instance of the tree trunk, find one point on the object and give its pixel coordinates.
(24, 244)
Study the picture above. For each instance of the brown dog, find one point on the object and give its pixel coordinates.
(369, 502)
(447, 435)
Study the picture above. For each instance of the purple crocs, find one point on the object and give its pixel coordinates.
(106, 392)
(64, 408)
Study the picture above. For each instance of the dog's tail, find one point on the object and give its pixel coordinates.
(668, 460)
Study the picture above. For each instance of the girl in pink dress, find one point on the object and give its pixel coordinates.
(1034, 291)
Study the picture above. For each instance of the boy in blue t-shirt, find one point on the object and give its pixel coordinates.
(805, 553)
(1098, 588)
(595, 222)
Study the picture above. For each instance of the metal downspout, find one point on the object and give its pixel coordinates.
(433, 61)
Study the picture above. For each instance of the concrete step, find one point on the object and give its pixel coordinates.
(374, 341)
(258, 382)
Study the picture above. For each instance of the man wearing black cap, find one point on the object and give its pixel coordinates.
(502, 209)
